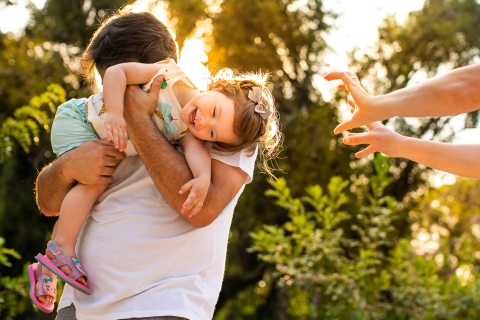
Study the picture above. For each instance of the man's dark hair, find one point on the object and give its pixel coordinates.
(127, 37)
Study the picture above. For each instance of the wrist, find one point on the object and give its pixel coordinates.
(405, 145)
(64, 170)
(205, 178)
(382, 107)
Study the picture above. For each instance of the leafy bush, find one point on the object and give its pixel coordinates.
(329, 273)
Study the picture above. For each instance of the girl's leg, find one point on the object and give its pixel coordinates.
(75, 208)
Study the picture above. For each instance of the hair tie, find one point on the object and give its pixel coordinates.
(255, 94)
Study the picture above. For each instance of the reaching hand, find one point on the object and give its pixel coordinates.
(362, 103)
(116, 130)
(198, 192)
(380, 139)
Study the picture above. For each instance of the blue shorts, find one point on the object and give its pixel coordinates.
(70, 127)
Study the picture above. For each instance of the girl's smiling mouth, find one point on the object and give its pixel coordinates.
(192, 116)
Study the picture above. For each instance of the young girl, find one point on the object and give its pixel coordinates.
(235, 113)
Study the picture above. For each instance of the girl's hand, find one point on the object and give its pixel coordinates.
(116, 130)
(380, 139)
(364, 109)
(198, 192)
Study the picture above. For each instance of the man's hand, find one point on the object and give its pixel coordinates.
(93, 162)
(140, 103)
(380, 139)
(198, 192)
(365, 111)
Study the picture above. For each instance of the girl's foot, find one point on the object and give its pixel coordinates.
(43, 288)
(48, 280)
(67, 267)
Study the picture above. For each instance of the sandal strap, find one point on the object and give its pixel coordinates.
(46, 285)
(61, 260)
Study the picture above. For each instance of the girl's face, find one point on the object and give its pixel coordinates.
(210, 115)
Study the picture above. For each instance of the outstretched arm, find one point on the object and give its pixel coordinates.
(200, 164)
(91, 163)
(157, 154)
(459, 159)
(452, 93)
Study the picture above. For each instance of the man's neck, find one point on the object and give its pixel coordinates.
(183, 92)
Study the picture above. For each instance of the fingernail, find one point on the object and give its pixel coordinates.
(346, 140)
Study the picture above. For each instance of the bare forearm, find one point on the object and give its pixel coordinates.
(115, 82)
(51, 187)
(459, 159)
(93, 162)
(199, 161)
(452, 93)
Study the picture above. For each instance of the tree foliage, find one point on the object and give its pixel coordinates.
(27, 121)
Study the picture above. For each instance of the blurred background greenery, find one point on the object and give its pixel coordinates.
(335, 237)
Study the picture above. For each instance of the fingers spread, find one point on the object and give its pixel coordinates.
(348, 78)
(115, 137)
(187, 186)
(190, 202)
(345, 125)
(108, 132)
(365, 152)
(195, 209)
(354, 139)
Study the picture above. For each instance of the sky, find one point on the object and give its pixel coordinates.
(356, 26)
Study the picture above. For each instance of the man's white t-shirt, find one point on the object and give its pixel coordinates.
(143, 259)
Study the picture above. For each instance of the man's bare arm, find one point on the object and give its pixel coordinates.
(168, 168)
(91, 163)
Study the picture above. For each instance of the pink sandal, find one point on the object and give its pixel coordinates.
(61, 260)
(47, 287)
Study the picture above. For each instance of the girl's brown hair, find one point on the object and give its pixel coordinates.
(250, 127)
(126, 36)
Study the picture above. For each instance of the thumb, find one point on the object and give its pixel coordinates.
(156, 85)
(187, 186)
(365, 152)
(345, 125)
